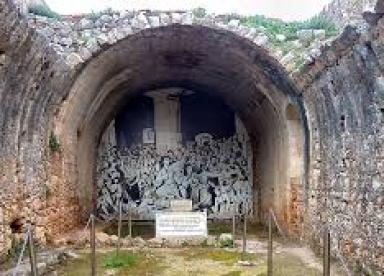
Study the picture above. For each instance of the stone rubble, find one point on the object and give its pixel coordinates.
(47, 261)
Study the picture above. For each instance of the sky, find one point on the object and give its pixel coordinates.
(289, 10)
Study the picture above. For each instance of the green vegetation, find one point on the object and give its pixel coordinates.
(124, 259)
(128, 262)
(199, 12)
(204, 243)
(189, 261)
(184, 243)
(214, 255)
(94, 16)
(217, 255)
(274, 27)
(227, 243)
(54, 143)
(16, 248)
(44, 10)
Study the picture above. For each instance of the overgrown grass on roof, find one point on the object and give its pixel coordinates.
(273, 27)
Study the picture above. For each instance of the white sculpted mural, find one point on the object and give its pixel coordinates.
(214, 173)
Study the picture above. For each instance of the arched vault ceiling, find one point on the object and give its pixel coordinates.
(194, 57)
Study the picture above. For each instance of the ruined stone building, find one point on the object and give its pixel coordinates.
(213, 116)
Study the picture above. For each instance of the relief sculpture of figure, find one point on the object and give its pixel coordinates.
(214, 174)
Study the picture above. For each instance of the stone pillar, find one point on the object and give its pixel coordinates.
(167, 118)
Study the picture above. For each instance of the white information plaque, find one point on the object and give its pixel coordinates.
(181, 224)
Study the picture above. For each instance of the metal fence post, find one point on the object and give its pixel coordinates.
(119, 228)
(244, 233)
(326, 252)
(270, 245)
(234, 222)
(93, 246)
(32, 253)
(130, 222)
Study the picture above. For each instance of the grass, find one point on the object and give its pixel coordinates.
(289, 265)
(128, 262)
(197, 261)
(122, 260)
(274, 27)
(217, 255)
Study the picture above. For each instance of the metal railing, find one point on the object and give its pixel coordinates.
(324, 234)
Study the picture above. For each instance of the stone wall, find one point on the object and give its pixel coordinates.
(33, 80)
(343, 12)
(344, 97)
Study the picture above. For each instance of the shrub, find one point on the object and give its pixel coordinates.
(319, 22)
(289, 29)
(199, 12)
(43, 10)
(54, 143)
(272, 26)
(227, 243)
(16, 247)
(184, 244)
(121, 260)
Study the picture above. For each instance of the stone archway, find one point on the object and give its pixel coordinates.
(199, 58)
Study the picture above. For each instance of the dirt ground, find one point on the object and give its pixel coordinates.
(189, 261)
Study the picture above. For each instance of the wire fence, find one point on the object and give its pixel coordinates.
(272, 220)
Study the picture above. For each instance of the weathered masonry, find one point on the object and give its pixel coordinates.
(317, 139)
